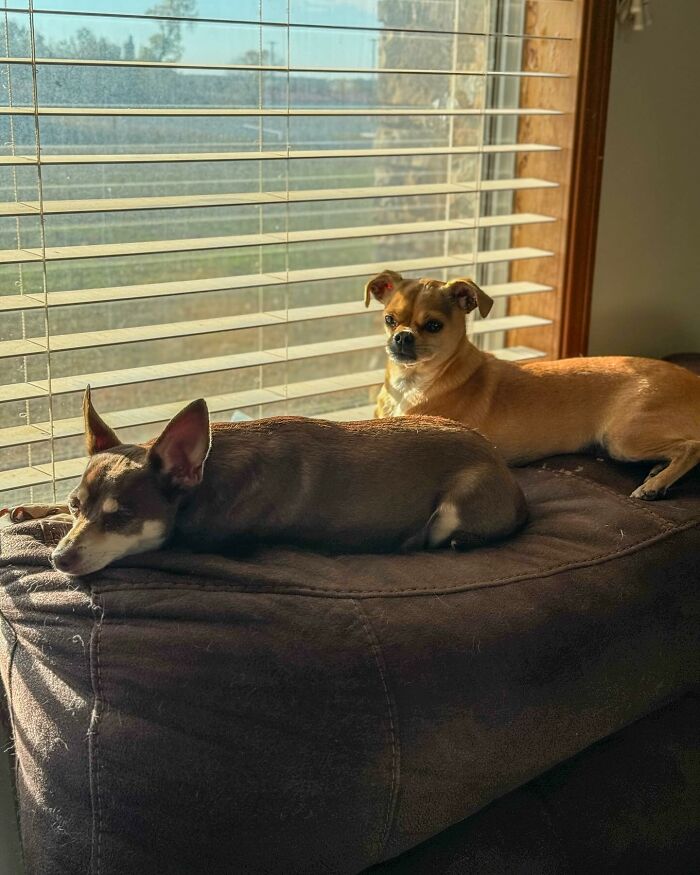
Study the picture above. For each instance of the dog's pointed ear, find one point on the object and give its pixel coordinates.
(98, 435)
(183, 446)
(381, 286)
(468, 296)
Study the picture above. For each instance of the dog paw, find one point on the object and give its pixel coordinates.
(25, 512)
(16, 514)
(646, 494)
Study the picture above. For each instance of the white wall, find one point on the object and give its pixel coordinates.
(646, 292)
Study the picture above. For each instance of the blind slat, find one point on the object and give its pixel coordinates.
(105, 251)
(73, 253)
(9, 303)
(347, 414)
(237, 199)
(268, 155)
(202, 244)
(194, 327)
(276, 68)
(224, 112)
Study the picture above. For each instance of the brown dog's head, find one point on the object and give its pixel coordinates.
(129, 494)
(424, 318)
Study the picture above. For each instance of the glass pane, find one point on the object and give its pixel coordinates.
(99, 38)
(224, 253)
(442, 15)
(242, 10)
(15, 40)
(362, 50)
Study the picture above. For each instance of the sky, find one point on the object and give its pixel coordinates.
(221, 43)
(350, 12)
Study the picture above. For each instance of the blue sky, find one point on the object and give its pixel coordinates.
(350, 12)
(223, 43)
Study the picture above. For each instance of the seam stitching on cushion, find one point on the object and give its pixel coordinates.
(99, 762)
(11, 715)
(410, 591)
(10, 673)
(625, 500)
(376, 649)
(93, 734)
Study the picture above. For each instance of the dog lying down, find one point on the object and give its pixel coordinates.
(635, 409)
(380, 485)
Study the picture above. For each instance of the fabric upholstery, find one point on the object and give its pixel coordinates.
(293, 712)
(628, 805)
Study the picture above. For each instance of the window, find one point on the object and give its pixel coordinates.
(194, 193)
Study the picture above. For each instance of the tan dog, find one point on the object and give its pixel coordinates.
(634, 408)
(372, 486)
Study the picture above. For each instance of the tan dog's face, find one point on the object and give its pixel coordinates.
(424, 319)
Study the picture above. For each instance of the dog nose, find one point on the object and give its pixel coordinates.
(404, 339)
(66, 561)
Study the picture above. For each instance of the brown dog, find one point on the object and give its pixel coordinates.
(636, 409)
(402, 484)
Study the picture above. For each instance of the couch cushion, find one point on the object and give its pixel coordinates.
(627, 805)
(294, 712)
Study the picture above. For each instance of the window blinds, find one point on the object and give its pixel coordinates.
(195, 191)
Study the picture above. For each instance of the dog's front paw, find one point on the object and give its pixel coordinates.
(647, 493)
(25, 512)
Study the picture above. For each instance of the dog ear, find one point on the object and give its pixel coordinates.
(183, 445)
(467, 295)
(98, 435)
(381, 286)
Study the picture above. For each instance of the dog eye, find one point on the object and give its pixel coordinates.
(118, 518)
(433, 326)
(390, 321)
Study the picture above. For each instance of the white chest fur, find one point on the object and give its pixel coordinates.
(404, 393)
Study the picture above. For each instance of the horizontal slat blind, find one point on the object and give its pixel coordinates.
(292, 154)
(103, 205)
(81, 62)
(193, 194)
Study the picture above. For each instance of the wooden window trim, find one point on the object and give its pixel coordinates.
(578, 170)
(595, 65)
